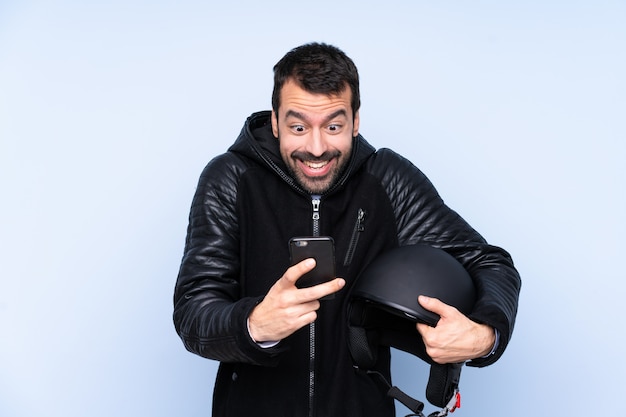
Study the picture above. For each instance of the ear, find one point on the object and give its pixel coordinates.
(274, 119)
(355, 127)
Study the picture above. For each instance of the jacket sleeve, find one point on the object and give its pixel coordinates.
(422, 217)
(210, 316)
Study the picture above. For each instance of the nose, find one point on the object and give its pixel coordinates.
(316, 145)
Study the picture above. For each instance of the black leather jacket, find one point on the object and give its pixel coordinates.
(246, 208)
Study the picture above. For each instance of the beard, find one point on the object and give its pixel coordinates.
(317, 184)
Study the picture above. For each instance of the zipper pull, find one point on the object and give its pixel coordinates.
(316, 200)
(359, 221)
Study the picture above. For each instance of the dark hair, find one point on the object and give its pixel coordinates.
(317, 68)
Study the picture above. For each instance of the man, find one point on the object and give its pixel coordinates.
(303, 169)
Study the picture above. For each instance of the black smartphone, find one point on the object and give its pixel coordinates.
(322, 249)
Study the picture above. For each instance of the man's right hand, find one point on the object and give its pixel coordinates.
(287, 308)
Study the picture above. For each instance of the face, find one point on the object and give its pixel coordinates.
(315, 133)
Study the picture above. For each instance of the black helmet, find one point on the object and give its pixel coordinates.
(383, 310)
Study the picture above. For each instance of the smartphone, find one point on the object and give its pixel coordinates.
(322, 249)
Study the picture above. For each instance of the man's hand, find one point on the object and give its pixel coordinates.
(456, 338)
(287, 308)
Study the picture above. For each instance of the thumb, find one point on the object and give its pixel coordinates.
(433, 304)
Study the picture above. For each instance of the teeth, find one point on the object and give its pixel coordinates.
(316, 165)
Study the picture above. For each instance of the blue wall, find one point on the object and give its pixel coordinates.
(108, 113)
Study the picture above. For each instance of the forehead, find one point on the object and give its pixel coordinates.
(296, 100)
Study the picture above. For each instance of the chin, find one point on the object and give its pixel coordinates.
(315, 187)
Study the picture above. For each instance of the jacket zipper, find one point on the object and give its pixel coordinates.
(316, 200)
(354, 240)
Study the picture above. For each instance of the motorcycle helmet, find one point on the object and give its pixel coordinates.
(383, 311)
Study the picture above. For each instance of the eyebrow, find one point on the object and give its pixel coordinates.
(301, 116)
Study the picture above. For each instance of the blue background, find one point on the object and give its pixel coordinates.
(110, 110)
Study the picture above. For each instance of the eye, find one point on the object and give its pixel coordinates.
(297, 128)
(334, 128)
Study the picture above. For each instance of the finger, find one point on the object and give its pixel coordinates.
(429, 337)
(435, 305)
(422, 328)
(321, 290)
(296, 271)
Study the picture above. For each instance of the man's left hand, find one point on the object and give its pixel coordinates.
(456, 338)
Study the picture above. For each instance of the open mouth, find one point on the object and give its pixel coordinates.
(316, 168)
